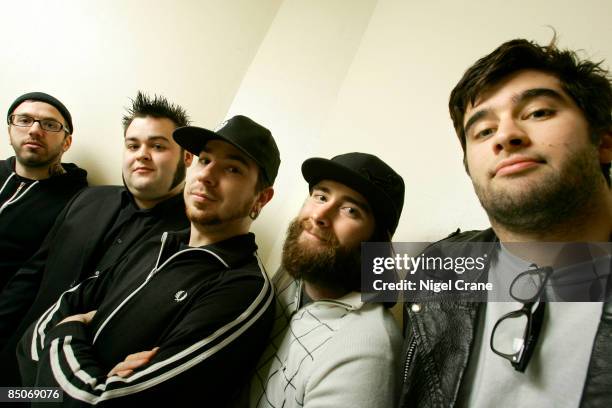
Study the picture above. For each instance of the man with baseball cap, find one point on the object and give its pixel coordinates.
(34, 184)
(328, 347)
(198, 303)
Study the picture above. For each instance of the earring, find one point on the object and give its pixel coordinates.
(254, 214)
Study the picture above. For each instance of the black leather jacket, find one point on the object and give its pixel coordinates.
(439, 337)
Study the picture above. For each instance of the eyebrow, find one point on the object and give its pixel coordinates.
(350, 199)
(39, 117)
(522, 98)
(149, 138)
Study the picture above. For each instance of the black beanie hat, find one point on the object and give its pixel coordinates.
(43, 97)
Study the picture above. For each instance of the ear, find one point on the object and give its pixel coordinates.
(605, 147)
(67, 143)
(188, 158)
(263, 198)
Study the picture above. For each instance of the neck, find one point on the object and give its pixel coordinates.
(145, 204)
(38, 173)
(317, 292)
(201, 235)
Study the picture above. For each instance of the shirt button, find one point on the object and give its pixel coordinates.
(415, 307)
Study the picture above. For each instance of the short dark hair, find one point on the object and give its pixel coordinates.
(586, 82)
(156, 107)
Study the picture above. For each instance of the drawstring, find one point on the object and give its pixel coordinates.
(14, 198)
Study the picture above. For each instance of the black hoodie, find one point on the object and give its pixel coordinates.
(28, 209)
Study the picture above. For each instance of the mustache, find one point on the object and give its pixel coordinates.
(326, 236)
(33, 140)
(203, 191)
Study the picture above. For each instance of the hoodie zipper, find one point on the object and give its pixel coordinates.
(7, 202)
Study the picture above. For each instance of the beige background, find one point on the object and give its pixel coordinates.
(326, 76)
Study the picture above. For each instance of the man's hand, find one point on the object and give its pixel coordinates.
(132, 362)
(83, 318)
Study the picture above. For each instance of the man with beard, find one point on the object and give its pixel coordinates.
(101, 225)
(328, 348)
(34, 184)
(199, 300)
(536, 130)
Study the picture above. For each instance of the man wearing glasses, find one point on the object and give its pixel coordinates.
(535, 126)
(34, 184)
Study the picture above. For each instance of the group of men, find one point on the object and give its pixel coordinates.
(163, 294)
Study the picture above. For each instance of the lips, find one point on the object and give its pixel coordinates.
(143, 170)
(203, 196)
(32, 144)
(516, 164)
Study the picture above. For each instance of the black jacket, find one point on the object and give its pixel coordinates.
(28, 210)
(70, 253)
(439, 337)
(209, 309)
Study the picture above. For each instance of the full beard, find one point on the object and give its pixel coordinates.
(543, 205)
(331, 266)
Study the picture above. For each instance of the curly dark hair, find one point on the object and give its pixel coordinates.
(156, 107)
(586, 82)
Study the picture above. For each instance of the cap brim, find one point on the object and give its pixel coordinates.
(193, 138)
(317, 169)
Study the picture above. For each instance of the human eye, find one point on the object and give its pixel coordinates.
(541, 113)
(22, 120)
(204, 160)
(352, 212)
(318, 197)
(482, 132)
(159, 146)
(50, 124)
(131, 146)
(233, 170)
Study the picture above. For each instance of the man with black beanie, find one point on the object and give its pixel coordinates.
(34, 184)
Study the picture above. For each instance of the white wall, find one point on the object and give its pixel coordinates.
(326, 76)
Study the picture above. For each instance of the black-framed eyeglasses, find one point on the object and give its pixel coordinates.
(50, 125)
(529, 286)
(518, 349)
(516, 334)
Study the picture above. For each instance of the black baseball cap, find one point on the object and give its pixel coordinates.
(46, 98)
(245, 134)
(365, 173)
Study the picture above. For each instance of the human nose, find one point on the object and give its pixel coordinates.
(510, 136)
(143, 153)
(322, 215)
(206, 174)
(35, 128)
